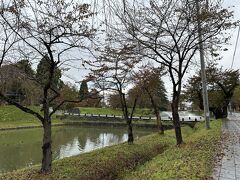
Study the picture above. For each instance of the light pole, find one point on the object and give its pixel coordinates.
(203, 71)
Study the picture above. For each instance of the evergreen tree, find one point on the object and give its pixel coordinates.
(25, 66)
(43, 70)
(83, 92)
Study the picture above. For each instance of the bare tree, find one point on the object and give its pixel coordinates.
(167, 31)
(52, 30)
(112, 71)
(8, 36)
(148, 82)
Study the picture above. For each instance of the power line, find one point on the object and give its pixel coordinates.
(235, 50)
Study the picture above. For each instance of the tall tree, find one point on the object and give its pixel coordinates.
(115, 67)
(47, 31)
(70, 92)
(83, 92)
(43, 70)
(148, 80)
(16, 84)
(221, 85)
(167, 32)
(25, 67)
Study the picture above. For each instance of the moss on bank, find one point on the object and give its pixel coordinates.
(190, 161)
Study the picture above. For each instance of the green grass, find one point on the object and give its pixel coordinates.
(12, 117)
(193, 160)
(102, 111)
(110, 111)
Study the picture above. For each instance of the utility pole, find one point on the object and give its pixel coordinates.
(234, 54)
(203, 71)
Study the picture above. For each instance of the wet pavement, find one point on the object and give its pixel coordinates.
(228, 166)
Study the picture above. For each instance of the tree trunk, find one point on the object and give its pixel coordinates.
(221, 111)
(130, 132)
(157, 114)
(126, 117)
(159, 122)
(176, 121)
(47, 147)
(129, 124)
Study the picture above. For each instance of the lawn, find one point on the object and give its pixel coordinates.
(11, 117)
(150, 157)
(110, 111)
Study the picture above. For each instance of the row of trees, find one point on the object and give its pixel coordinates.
(155, 86)
(222, 84)
(17, 81)
(164, 32)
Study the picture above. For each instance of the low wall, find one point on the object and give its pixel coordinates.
(117, 121)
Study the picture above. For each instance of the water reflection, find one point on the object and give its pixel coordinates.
(75, 147)
(186, 115)
(22, 148)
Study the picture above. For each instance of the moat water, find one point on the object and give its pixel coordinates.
(22, 148)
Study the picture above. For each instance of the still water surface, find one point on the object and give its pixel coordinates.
(22, 148)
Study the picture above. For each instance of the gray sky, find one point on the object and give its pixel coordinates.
(227, 56)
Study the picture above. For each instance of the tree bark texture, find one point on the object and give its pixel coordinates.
(157, 114)
(47, 148)
(176, 121)
(126, 117)
(130, 133)
(129, 124)
(159, 123)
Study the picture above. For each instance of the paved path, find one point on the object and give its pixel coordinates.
(228, 167)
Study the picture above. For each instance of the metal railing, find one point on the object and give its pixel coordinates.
(145, 118)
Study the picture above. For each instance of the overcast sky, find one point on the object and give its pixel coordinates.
(227, 56)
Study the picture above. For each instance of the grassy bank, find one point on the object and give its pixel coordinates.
(12, 117)
(193, 160)
(110, 111)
